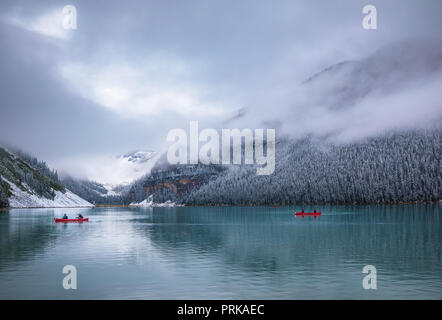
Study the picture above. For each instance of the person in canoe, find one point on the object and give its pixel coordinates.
(79, 216)
(65, 216)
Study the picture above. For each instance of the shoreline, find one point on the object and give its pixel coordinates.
(274, 206)
(12, 208)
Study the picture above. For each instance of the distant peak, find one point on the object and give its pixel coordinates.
(139, 156)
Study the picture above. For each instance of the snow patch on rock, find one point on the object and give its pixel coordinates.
(148, 203)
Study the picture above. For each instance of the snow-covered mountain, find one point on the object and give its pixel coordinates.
(23, 184)
(395, 87)
(358, 132)
(95, 192)
(110, 177)
(24, 199)
(133, 165)
(110, 170)
(138, 156)
(399, 167)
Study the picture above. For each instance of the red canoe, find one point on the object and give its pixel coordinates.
(71, 220)
(307, 214)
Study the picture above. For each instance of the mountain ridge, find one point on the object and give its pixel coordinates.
(360, 91)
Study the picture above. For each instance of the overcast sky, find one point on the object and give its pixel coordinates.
(133, 70)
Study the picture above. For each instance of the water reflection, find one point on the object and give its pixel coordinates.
(261, 238)
(224, 252)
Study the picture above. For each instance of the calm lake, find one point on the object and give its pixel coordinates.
(223, 253)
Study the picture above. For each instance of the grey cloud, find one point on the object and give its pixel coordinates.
(243, 55)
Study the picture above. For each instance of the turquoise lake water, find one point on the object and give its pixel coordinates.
(223, 253)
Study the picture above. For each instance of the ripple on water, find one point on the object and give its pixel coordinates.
(223, 253)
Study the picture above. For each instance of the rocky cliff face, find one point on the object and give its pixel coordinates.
(171, 182)
(177, 187)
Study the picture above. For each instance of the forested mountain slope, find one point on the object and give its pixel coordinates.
(398, 167)
(351, 133)
(26, 182)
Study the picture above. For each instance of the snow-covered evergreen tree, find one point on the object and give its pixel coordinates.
(398, 167)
